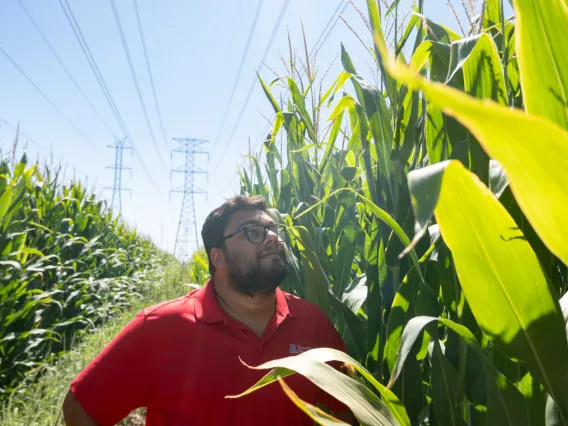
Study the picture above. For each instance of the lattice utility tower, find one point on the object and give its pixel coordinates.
(117, 188)
(189, 147)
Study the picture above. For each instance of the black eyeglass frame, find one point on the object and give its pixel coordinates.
(244, 228)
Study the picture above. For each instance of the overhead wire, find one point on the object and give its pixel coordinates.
(328, 24)
(321, 41)
(135, 79)
(61, 113)
(29, 139)
(254, 81)
(330, 30)
(238, 76)
(93, 65)
(60, 61)
(143, 39)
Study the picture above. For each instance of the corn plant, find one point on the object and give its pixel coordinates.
(67, 264)
(462, 145)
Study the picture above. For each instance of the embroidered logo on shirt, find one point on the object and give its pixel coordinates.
(297, 349)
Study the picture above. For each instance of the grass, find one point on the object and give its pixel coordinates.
(40, 403)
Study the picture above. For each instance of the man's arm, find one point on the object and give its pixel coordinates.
(117, 381)
(73, 413)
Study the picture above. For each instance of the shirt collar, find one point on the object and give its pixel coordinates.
(207, 308)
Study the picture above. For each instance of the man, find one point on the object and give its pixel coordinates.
(180, 358)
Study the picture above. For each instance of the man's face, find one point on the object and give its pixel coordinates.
(254, 268)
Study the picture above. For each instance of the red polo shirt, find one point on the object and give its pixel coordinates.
(180, 358)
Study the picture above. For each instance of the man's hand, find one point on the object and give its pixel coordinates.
(73, 413)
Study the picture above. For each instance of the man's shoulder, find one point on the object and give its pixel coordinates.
(180, 308)
(299, 307)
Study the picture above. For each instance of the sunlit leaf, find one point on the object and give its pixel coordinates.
(364, 404)
(541, 26)
(514, 306)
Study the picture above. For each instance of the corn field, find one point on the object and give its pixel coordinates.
(427, 216)
(67, 265)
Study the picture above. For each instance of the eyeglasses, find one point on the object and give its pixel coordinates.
(256, 234)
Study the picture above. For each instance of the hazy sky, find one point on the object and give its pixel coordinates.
(195, 49)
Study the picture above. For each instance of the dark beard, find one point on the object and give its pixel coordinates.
(260, 276)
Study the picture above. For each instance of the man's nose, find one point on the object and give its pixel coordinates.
(271, 237)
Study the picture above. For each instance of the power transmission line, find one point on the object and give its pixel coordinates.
(140, 29)
(251, 33)
(254, 81)
(264, 58)
(29, 139)
(328, 24)
(50, 101)
(117, 188)
(135, 79)
(189, 190)
(93, 65)
(91, 60)
(41, 33)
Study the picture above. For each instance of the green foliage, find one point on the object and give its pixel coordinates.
(463, 323)
(199, 267)
(67, 264)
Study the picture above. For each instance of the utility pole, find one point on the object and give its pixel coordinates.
(190, 148)
(117, 188)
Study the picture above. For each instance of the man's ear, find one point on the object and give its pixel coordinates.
(218, 258)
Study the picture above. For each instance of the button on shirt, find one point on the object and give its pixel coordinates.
(180, 359)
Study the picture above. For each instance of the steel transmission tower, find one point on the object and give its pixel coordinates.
(191, 149)
(117, 188)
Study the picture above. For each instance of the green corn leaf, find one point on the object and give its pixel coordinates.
(381, 215)
(434, 31)
(355, 294)
(376, 276)
(519, 141)
(492, 13)
(335, 128)
(541, 26)
(345, 102)
(437, 141)
(392, 7)
(324, 355)
(300, 104)
(515, 306)
(364, 404)
(268, 94)
(278, 121)
(316, 414)
(305, 147)
(335, 87)
(445, 388)
(344, 261)
(389, 83)
(507, 405)
(413, 22)
(479, 60)
(353, 328)
(5, 200)
(375, 111)
(315, 279)
(535, 398)
(405, 295)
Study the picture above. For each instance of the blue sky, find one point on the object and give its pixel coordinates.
(195, 49)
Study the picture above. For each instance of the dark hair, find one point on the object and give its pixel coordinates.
(216, 222)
